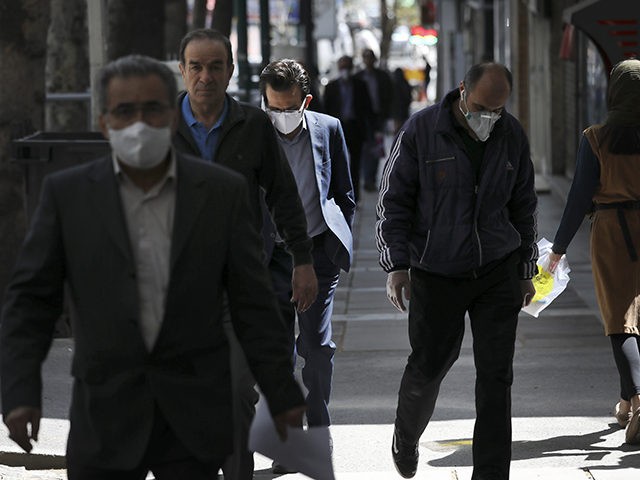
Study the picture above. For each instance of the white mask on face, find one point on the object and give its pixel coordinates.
(344, 73)
(140, 145)
(287, 121)
(481, 122)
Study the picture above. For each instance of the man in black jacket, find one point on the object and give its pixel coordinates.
(457, 208)
(380, 88)
(347, 98)
(214, 126)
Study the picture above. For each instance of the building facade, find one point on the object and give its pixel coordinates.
(560, 53)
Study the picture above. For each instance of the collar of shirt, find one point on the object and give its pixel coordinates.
(188, 116)
(169, 174)
(206, 140)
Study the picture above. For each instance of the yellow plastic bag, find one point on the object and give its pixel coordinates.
(548, 285)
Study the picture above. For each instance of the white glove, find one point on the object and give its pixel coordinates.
(396, 282)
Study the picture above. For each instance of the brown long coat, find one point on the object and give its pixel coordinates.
(616, 277)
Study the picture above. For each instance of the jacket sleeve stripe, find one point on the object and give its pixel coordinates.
(385, 253)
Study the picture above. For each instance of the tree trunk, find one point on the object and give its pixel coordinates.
(135, 26)
(23, 43)
(67, 68)
(386, 25)
(175, 26)
(222, 16)
(199, 14)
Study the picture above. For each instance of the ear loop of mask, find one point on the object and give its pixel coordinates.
(463, 98)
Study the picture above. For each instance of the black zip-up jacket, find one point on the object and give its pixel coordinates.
(434, 215)
(248, 144)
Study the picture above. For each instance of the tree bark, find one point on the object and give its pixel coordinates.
(222, 16)
(67, 66)
(199, 14)
(175, 26)
(23, 41)
(386, 25)
(135, 26)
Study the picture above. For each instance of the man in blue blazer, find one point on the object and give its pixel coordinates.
(315, 148)
(155, 247)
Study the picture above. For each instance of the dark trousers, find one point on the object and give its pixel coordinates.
(371, 154)
(354, 137)
(315, 347)
(314, 342)
(436, 328)
(239, 465)
(165, 456)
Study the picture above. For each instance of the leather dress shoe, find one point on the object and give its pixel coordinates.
(405, 456)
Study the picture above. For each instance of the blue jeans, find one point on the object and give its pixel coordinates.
(314, 342)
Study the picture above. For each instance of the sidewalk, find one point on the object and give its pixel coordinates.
(564, 390)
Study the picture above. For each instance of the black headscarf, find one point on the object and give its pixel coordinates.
(623, 95)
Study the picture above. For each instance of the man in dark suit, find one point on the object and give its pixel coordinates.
(347, 99)
(154, 246)
(317, 153)
(380, 90)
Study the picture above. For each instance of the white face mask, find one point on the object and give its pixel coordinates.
(140, 145)
(344, 74)
(287, 121)
(481, 122)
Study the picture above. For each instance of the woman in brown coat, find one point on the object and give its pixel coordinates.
(607, 181)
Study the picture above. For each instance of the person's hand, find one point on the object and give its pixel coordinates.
(18, 422)
(396, 282)
(304, 285)
(554, 258)
(528, 291)
(291, 418)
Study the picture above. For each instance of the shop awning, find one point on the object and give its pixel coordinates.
(612, 25)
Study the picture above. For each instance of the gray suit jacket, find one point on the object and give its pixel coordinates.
(79, 236)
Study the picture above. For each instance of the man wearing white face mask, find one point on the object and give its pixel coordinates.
(315, 148)
(456, 232)
(154, 247)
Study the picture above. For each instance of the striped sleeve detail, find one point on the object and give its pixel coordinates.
(386, 261)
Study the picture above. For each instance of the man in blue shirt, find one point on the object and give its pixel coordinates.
(216, 127)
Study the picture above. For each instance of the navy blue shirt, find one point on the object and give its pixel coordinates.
(207, 141)
(585, 183)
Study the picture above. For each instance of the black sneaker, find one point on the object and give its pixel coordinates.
(405, 456)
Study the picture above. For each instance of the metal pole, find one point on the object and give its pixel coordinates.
(488, 54)
(306, 21)
(240, 7)
(96, 20)
(265, 32)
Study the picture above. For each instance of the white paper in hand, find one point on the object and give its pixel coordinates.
(306, 451)
(548, 285)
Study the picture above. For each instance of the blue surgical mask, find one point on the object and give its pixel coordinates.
(481, 122)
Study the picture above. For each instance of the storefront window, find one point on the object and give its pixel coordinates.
(595, 92)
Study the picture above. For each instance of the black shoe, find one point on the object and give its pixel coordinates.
(405, 456)
(280, 469)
